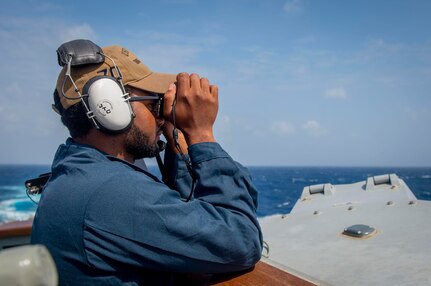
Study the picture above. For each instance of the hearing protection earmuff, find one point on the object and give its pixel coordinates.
(104, 97)
(108, 103)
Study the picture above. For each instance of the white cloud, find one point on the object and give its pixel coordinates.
(313, 128)
(383, 46)
(173, 52)
(282, 128)
(377, 50)
(418, 113)
(305, 40)
(168, 57)
(337, 92)
(292, 6)
(83, 31)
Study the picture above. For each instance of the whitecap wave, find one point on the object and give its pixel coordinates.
(426, 194)
(285, 204)
(294, 180)
(9, 211)
(13, 188)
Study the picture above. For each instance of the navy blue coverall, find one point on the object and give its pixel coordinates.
(108, 222)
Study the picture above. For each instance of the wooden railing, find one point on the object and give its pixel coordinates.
(16, 228)
(15, 233)
(263, 274)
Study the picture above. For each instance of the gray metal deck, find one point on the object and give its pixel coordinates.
(310, 239)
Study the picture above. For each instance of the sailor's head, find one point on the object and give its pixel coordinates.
(99, 81)
(134, 74)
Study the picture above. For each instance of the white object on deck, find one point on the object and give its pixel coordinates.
(27, 265)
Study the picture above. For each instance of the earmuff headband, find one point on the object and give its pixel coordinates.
(104, 98)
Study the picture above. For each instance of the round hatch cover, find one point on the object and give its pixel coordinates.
(359, 231)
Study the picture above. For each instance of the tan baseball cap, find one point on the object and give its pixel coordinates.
(135, 73)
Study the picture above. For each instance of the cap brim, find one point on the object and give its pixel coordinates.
(155, 82)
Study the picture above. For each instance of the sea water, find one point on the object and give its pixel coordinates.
(279, 187)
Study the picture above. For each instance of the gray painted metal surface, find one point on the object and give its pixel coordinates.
(310, 239)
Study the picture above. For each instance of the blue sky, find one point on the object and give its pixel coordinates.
(302, 82)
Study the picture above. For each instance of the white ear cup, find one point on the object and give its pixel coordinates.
(105, 99)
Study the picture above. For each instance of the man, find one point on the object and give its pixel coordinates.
(108, 222)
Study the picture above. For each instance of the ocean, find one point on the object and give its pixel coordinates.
(279, 187)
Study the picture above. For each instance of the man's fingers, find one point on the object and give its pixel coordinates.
(205, 84)
(195, 82)
(168, 100)
(214, 90)
(183, 83)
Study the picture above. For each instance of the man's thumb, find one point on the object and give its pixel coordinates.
(168, 100)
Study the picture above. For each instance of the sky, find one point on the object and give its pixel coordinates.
(301, 82)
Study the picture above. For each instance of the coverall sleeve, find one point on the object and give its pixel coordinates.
(215, 232)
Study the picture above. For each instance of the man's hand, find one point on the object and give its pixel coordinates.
(196, 107)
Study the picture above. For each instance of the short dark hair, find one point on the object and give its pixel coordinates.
(74, 118)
